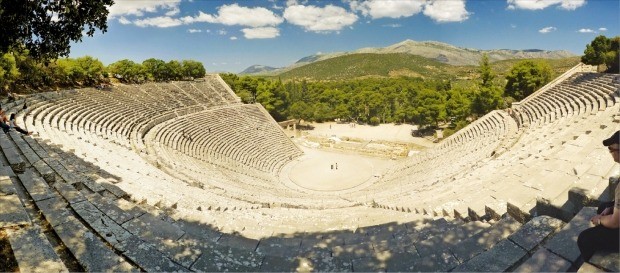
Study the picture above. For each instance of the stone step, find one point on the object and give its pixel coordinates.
(449, 238)
(509, 252)
(12, 213)
(544, 261)
(89, 250)
(608, 261)
(91, 253)
(11, 152)
(485, 239)
(33, 252)
(564, 243)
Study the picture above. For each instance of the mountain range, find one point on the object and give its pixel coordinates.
(437, 51)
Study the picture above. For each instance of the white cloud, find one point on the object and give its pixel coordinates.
(388, 8)
(513, 26)
(222, 32)
(572, 4)
(193, 30)
(295, 2)
(139, 8)
(160, 21)
(603, 29)
(236, 15)
(446, 11)
(274, 5)
(542, 4)
(200, 18)
(321, 20)
(261, 33)
(392, 25)
(585, 30)
(173, 11)
(547, 29)
(124, 21)
(232, 38)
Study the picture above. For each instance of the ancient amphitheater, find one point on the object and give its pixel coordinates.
(182, 176)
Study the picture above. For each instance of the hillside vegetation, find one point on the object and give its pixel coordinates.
(370, 65)
(367, 65)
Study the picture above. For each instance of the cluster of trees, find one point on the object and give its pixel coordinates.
(19, 70)
(425, 102)
(156, 70)
(603, 51)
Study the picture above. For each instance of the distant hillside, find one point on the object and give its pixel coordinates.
(368, 65)
(401, 64)
(258, 69)
(437, 51)
(454, 55)
(559, 66)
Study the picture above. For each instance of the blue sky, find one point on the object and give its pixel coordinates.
(232, 35)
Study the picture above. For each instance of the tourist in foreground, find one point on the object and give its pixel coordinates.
(605, 235)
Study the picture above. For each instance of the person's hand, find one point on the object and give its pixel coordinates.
(596, 219)
(607, 211)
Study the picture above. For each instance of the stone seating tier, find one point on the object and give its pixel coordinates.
(554, 146)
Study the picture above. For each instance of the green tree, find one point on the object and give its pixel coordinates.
(596, 50)
(527, 76)
(8, 71)
(486, 73)
(458, 105)
(89, 69)
(342, 112)
(486, 100)
(175, 70)
(430, 108)
(301, 110)
(266, 97)
(128, 71)
(603, 51)
(193, 69)
(322, 112)
(46, 28)
(156, 69)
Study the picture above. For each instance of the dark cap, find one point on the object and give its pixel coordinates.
(615, 139)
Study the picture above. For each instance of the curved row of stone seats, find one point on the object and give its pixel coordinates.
(124, 111)
(437, 245)
(179, 245)
(469, 146)
(265, 191)
(95, 220)
(215, 82)
(206, 98)
(547, 140)
(215, 202)
(545, 163)
(237, 134)
(581, 93)
(133, 253)
(234, 179)
(400, 250)
(205, 201)
(587, 141)
(568, 151)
